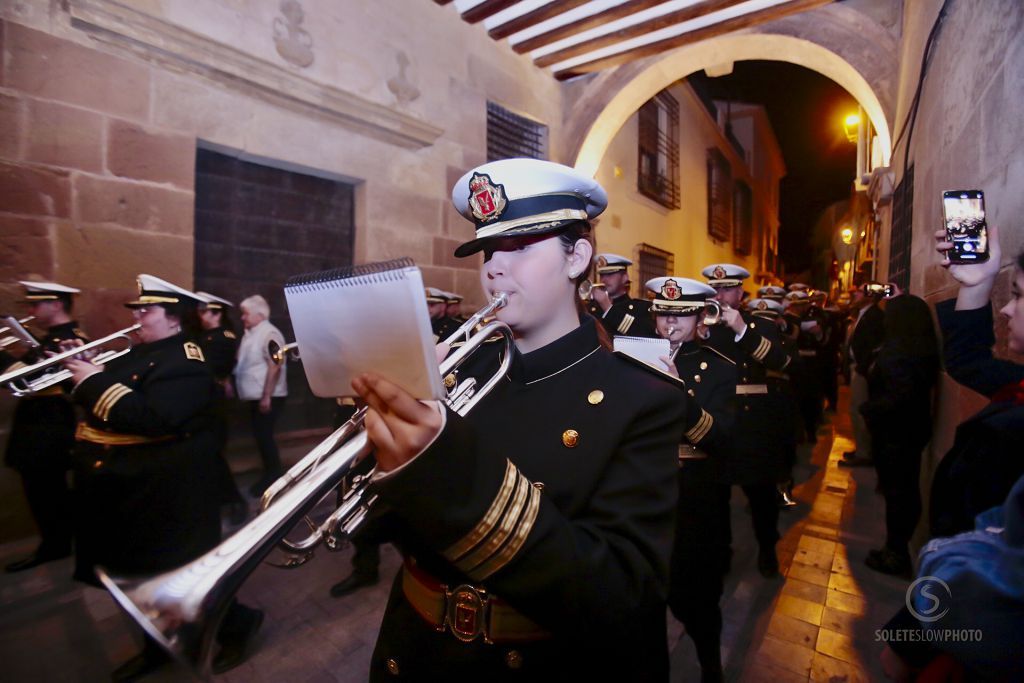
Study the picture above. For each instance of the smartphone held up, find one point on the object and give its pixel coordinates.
(963, 212)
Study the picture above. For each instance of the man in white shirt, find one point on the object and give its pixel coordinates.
(262, 384)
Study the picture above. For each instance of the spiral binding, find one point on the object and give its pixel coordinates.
(348, 276)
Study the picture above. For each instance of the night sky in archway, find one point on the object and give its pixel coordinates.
(806, 110)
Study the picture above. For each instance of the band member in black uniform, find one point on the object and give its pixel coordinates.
(43, 428)
(620, 313)
(700, 553)
(810, 338)
(145, 461)
(219, 343)
(537, 530)
(453, 309)
(763, 419)
(864, 339)
(782, 385)
(437, 307)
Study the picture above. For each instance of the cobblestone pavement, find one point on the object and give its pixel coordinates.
(816, 622)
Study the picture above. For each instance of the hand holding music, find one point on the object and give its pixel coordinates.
(670, 366)
(399, 426)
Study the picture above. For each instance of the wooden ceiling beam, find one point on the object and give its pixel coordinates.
(486, 9)
(542, 13)
(728, 26)
(585, 24)
(656, 24)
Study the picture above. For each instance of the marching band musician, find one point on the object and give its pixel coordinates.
(762, 419)
(620, 313)
(810, 341)
(437, 307)
(700, 553)
(537, 529)
(145, 461)
(453, 309)
(43, 428)
(220, 347)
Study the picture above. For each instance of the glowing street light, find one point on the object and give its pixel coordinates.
(846, 234)
(851, 125)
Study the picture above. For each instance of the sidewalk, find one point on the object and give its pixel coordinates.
(816, 622)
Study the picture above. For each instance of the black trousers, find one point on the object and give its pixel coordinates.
(49, 500)
(263, 431)
(764, 513)
(700, 556)
(899, 470)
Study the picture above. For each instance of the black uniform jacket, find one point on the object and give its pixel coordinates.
(556, 493)
(43, 426)
(711, 380)
(987, 456)
(220, 347)
(628, 316)
(764, 420)
(866, 337)
(145, 461)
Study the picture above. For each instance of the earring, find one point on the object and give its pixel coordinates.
(572, 276)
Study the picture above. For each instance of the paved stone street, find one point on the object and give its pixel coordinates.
(815, 623)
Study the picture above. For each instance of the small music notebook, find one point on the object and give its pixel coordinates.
(366, 318)
(644, 349)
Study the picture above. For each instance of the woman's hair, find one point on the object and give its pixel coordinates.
(257, 304)
(569, 236)
(910, 330)
(1020, 261)
(187, 315)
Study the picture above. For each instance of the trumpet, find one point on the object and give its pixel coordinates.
(20, 384)
(712, 314)
(279, 354)
(10, 339)
(586, 289)
(182, 609)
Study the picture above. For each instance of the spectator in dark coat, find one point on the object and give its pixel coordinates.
(898, 414)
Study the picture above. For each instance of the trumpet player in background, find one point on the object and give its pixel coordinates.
(43, 427)
(536, 530)
(145, 461)
(700, 553)
(763, 418)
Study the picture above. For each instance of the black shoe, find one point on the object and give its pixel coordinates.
(34, 560)
(768, 563)
(237, 649)
(352, 583)
(889, 562)
(856, 462)
(142, 664)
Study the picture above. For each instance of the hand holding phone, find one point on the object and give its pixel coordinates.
(963, 212)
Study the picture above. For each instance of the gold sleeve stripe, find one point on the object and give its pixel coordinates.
(627, 322)
(490, 518)
(762, 349)
(518, 538)
(701, 429)
(107, 399)
(501, 533)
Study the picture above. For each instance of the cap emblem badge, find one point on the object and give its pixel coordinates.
(486, 199)
(670, 290)
(718, 273)
(762, 305)
(602, 262)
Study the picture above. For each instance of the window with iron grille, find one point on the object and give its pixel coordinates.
(652, 262)
(902, 230)
(742, 218)
(658, 144)
(719, 195)
(510, 135)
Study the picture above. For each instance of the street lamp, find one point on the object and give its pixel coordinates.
(851, 125)
(846, 234)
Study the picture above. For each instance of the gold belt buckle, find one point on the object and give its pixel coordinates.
(467, 612)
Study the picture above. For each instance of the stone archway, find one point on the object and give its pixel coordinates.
(841, 44)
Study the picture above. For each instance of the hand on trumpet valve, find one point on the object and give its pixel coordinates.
(732, 318)
(600, 296)
(399, 426)
(80, 366)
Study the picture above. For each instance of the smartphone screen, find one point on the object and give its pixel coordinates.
(964, 214)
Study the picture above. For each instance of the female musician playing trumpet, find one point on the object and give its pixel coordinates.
(145, 461)
(537, 530)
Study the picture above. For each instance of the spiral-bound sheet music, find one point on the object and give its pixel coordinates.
(367, 318)
(645, 349)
